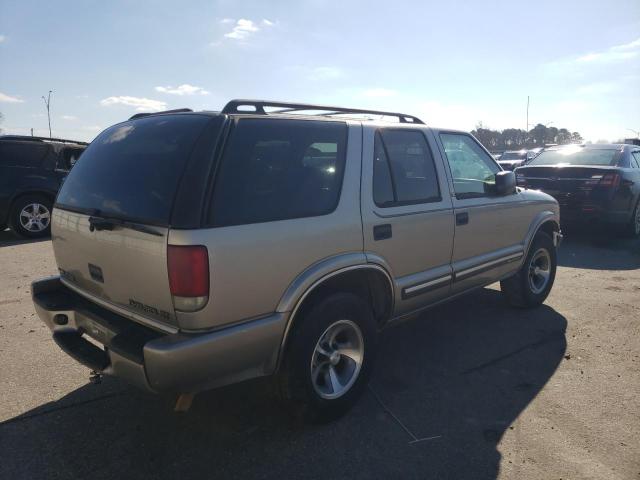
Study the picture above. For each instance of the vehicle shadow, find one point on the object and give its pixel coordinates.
(598, 249)
(8, 238)
(454, 380)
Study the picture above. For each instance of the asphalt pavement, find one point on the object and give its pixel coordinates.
(472, 389)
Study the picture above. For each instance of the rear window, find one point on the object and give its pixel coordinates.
(577, 156)
(132, 170)
(22, 154)
(279, 169)
(513, 156)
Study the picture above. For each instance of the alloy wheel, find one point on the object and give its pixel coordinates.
(35, 217)
(337, 359)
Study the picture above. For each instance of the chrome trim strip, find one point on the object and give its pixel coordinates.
(431, 283)
(492, 263)
(405, 214)
(156, 325)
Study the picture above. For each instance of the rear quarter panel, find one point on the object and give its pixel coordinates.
(251, 266)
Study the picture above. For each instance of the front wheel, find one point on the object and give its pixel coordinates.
(329, 357)
(531, 285)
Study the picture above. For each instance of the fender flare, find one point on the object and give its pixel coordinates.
(547, 216)
(315, 276)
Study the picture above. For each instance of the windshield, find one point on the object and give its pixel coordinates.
(131, 171)
(576, 156)
(513, 156)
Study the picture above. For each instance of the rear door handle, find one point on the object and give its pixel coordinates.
(382, 232)
(462, 218)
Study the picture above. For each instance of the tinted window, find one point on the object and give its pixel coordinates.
(514, 156)
(68, 158)
(577, 156)
(473, 170)
(635, 160)
(279, 169)
(22, 154)
(132, 169)
(404, 172)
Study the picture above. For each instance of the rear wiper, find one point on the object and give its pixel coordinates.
(102, 223)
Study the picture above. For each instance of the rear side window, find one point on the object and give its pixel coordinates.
(68, 158)
(132, 170)
(635, 159)
(279, 169)
(22, 154)
(403, 169)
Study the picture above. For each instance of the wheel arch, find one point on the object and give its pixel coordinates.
(548, 222)
(367, 280)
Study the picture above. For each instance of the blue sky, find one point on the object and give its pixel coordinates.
(452, 63)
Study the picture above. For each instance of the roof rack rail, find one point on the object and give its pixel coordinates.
(148, 114)
(30, 138)
(233, 107)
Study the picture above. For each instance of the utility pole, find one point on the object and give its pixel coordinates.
(47, 102)
(32, 131)
(527, 129)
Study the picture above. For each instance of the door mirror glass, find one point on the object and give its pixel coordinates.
(505, 183)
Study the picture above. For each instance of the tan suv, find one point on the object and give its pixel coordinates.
(201, 249)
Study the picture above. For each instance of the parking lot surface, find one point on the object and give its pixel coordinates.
(470, 389)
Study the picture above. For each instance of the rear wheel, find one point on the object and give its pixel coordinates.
(329, 358)
(31, 216)
(633, 229)
(532, 284)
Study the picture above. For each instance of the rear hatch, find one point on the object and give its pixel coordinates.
(572, 186)
(113, 213)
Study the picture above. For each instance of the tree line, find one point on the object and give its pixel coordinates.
(516, 138)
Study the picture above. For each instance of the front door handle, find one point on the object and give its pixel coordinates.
(382, 232)
(462, 218)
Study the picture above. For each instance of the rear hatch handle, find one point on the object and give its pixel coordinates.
(101, 223)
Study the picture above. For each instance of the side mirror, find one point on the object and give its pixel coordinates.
(505, 183)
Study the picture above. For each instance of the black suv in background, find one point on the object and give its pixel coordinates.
(31, 172)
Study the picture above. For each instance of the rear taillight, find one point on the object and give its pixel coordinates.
(610, 180)
(188, 276)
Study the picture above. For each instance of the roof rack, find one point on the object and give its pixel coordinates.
(259, 108)
(29, 138)
(148, 114)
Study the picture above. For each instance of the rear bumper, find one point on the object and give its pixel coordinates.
(585, 214)
(151, 360)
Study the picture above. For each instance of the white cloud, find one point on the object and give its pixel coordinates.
(140, 104)
(267, 23)
(325, 73)
(92, 128)
(243, 29)
(68, 117)
(9, 99)
(612, 54)
(227, 20)
(2, 38)
(379, 92)
(181, 90)
(596, 88)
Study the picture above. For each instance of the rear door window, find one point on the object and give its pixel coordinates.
(279, 169)
(403, 169)
(22, 154)
(132, 170)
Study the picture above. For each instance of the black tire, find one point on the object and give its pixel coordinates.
(522, 291)
(632, 229)
(295, 377)
(15, 219)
